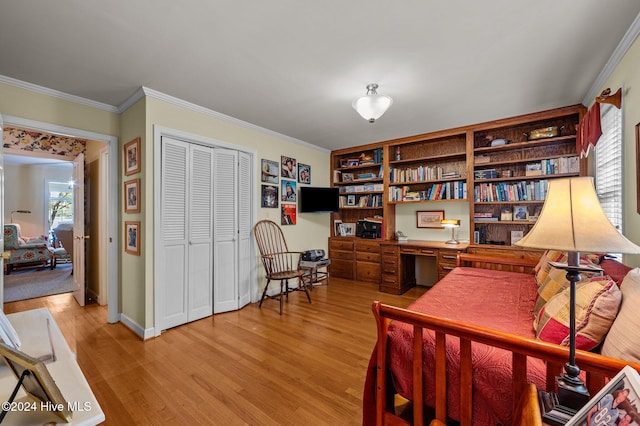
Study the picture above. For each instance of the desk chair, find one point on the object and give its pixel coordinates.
(279, 263)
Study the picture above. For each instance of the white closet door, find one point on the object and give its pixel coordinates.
(225, 189)
(200, 249)
(245, 230)
(173, 291)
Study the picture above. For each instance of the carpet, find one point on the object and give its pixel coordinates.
(31, 283)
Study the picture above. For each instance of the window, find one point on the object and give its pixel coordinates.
(60, 203)
(608, 165)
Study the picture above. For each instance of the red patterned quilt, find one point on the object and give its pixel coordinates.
(494, 299)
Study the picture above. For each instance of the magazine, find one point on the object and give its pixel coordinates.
(614, 404)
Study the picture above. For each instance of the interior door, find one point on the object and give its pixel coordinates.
(78, 229)
(1, 219)
(225, 188)
(245, 228)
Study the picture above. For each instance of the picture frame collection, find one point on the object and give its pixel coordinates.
(280, 182)
(131, 190)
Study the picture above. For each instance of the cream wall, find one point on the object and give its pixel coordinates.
(25, 189)
(311, 230)
(626, 75)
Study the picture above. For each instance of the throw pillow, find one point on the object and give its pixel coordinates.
(555, 280)
(542, 268)
(616, 270)
(597, 303)
(623, 340)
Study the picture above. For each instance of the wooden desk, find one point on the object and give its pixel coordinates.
(31, 327)
(398, 261)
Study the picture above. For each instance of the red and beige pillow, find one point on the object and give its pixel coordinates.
(553, 280)
(623, 340)
(597, 303)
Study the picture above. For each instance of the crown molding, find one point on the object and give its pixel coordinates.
(617, 55)
(56, 94)
(145, 91)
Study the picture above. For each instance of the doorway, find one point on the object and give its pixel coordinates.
(108, 170)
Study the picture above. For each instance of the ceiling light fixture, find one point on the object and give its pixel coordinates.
(372, 106)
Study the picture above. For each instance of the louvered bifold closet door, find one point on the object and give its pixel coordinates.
(245, 229)
(225, 230)
(172, 285)
(200, 232)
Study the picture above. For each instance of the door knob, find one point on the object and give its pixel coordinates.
(6, 255)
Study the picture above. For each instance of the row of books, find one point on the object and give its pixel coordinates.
(441, 191)
(554, 166)
(367, 187)
(511, 191)
(419, 174)
(369, 200)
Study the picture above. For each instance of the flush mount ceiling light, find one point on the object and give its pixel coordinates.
(372, 106)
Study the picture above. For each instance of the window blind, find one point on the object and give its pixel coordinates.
(608, 165)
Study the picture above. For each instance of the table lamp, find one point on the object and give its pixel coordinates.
(453, 224)
(572, 220)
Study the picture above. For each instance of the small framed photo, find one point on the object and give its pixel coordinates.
(336, 227)
(132, 237)
(36, 380)
(132, 159)
(347, 177)
(289, 167)
(131, 196)
(288, 214)
(347, 229)
(614, 404)
(429, 218)
(344, 162)
(516, 236)
(353, 162)
(520, 213)
(304, 173)
(506, 213)
(351, 200)
(288, 193)
(269, 197)
(270, 171)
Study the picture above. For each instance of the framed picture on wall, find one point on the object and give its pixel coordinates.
(288, 191)
(288, 214)
(132, 159)
(304, 173)
(289, 167)
(270, 173)
(132, 237)
(429, 218)
(132, 196)
(269, 197)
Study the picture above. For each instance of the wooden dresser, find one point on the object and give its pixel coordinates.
(355, 258)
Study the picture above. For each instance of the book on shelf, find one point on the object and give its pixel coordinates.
(337, 176)
(485, 174)
(366, 176)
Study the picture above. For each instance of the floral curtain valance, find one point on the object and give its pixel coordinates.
(34, 141)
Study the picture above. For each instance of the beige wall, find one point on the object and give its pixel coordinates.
(626, 75)
(311, 230)
(25, 189)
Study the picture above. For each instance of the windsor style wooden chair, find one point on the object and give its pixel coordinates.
(279, 263)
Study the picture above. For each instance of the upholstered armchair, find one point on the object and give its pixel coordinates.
(25, 251)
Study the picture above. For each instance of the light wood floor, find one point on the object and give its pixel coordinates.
(253, 366)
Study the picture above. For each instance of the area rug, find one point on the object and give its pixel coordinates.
(30, 283)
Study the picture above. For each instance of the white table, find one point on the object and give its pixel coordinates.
(31, 327)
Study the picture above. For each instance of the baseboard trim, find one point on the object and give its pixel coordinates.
(143, 333)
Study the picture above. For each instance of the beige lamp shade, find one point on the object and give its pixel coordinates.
(573, 220)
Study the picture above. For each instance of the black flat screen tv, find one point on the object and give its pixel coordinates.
(315, 199)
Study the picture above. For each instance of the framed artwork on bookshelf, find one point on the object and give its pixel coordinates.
(520, 213)
(429, 218)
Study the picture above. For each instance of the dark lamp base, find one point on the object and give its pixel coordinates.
(558, 409)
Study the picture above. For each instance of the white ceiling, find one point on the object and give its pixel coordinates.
(295, 66)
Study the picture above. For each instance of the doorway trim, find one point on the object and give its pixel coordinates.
(112, 187)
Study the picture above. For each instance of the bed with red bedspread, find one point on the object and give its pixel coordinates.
(496, 300)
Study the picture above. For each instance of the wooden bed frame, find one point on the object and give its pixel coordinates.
(597, 367)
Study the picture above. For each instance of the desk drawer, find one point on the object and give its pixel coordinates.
(368, 257)
(419, 251)
(341, 269)
(448, 257)
(368, 246)
(368, 272)
(389, 260)
(340, 245)
(340, 254)
(389, 249)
